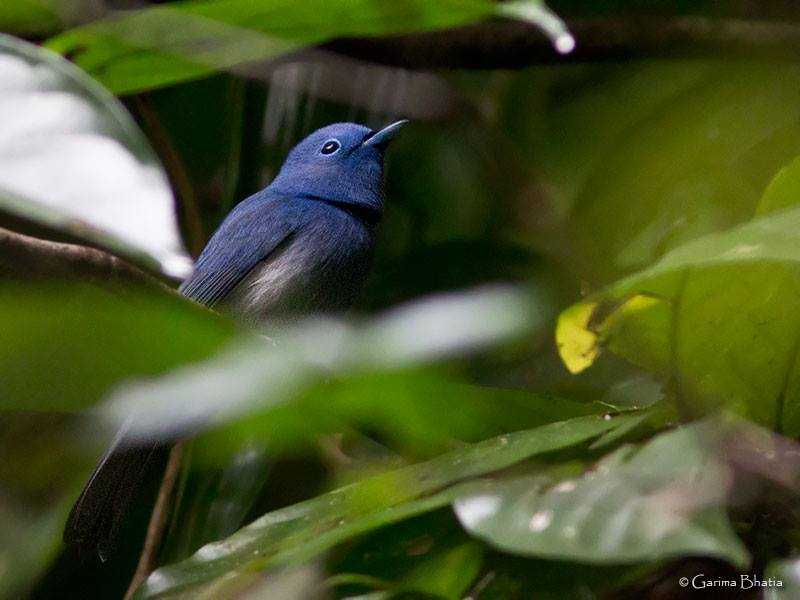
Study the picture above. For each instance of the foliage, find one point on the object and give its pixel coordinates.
(574, 371)
(74, 130)
(159, 46)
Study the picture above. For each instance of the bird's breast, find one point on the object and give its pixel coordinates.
(321, 268)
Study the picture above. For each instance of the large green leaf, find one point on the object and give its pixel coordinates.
(36, 492)
(65, 346)
(227, 467)
(29, 17)
(256, 374)
(623, 101)
(429, 554)
(783, 191)
(718, 317)
(448, 574)
(443, 574)
(73, 162)
(673, 150)
(405, 407)
(296, 533)
(164, 45)
(660, 501)
(216, 500)
(512, 577)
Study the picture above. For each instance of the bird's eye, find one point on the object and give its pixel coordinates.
(330, 147)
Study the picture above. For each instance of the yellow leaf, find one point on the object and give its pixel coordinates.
(577, 344)
(637, 303)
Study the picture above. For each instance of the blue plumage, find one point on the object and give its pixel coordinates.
(303, 244)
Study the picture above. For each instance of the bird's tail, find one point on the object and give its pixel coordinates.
(96, 518)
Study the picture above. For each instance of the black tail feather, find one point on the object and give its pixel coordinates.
(96, 518)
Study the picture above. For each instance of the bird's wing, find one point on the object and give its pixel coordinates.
(254, 230)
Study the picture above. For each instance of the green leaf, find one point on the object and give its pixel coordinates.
(448, 574)
(29, 17)
(44, 464)
(783, 191)
(660, 501)
(65, 346)
(691, 155)
(513, 576)
(74, 164)
(404, 407)
(216, 500)
(428, 555)
(296, 533)
(719, 317)
(256, 374)
(165, 45)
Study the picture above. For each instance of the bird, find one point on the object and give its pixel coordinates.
(302, 245)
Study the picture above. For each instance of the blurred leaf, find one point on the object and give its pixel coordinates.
(72, 162)
(447, 575)
(637, 391)
(787, 572)
(303, 582)
(621, 99)
(28, 17)
(65, 346)
(214, 501)
(300, 583)
(509, 577)
(404, 408)
(402, 557)
(783, 191)
(659, 501)
(296, 533)
(655, 419)
(164, 45)
(720, 316)
(691, 154)
(40, 18)
(256, 374)
(36, 492)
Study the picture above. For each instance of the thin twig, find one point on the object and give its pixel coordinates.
(158, 520)
(177, 172)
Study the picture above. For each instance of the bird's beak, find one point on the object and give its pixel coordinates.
(381, 138)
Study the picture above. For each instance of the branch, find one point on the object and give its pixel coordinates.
(23, 257)
(158, 520)
(514, 44)
(176, 171)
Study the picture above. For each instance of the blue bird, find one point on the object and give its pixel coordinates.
(304, 244)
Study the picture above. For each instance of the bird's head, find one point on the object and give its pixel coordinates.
(340, 163)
